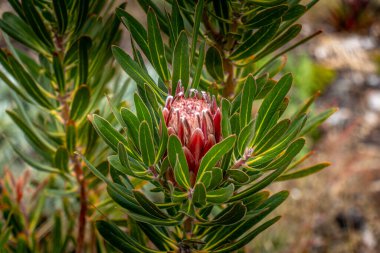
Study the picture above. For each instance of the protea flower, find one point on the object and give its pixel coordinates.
(196, 121)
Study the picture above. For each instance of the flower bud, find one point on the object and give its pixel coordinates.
(196, 121)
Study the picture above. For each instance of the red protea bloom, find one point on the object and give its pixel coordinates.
(196, 121)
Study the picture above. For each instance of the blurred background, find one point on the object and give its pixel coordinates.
(337, 210)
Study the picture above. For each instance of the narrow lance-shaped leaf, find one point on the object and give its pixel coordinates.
(34, 19)
(248, 95)
(287, 36)
(220, 195)
(149, 206)
(136, 29)
(83, 48)
(31, 133)
(214, 64)
(58, 71)
(136, 72)
(181, 68)
(146, 144)
(29, 84)
(115, 236)
(156, 47)
(197, 22)
(290, 153)
(80, 102)
(249, 237)
(71, 137)
(303, 172)
(181, 174)
(271, 103)
(82, 11)
(214, 155)
(60, 10)
(61, 159)
(199, 195)
(199, 66)
(110, 135)
(176, 21)
(267, 16)
(255, 42)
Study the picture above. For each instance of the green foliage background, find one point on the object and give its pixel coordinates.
(231, 49)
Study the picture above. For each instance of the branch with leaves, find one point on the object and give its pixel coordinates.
(210, 134)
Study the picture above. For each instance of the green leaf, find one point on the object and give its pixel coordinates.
(222, 235)
(197, 22)
(199, 66)
(255, 42)
(291, 151)
(175, 151)
(245, 137)
(220, 195)
(273, 135)
(270, 105)
(132, 123)
(29, 84)
(267, 3)
(156, 47)
(287, 36)
(31, 133)
(82, 9)
(20, 31)
(143, 111)
(181, 67)
(58, 71)
(214, 64)
(231, 215)
(84, 45)
(61, 159)
(81, 100)
(60, 10)
(135, 171)
(154, 221)
(36, 23)
(122, 241)
(315, 121)
(295, 12)
(199, 195)
(216, 178)
(149, 206)
(179, 196)
(266, 17)
(303, 172)
(17, 7)
(176, 21)
(181, 174)
(71, 137)
(136, 72)
(34, 164)
(214, 155)
(225, 110)
(136, 29)
(248, 238)
(149, 5)
(146, 144)
(164, 136)
(248, 95)
(123, 156)
(108, 133)
(238, 176)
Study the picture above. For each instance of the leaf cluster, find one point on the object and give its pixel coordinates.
(228, 49)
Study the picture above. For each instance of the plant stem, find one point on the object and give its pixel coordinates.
(78, 170)
(229, 84)
(83, 203)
